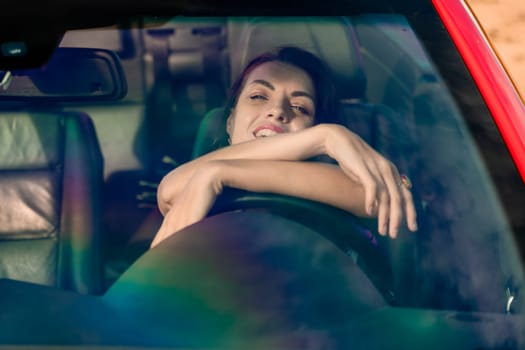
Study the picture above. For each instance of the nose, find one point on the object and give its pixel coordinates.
(280, 111)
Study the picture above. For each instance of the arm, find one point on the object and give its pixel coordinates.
(296, 179)
(291, 146)
(378, 176)
(332, 187)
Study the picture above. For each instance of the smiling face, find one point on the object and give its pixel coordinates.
(276, 98)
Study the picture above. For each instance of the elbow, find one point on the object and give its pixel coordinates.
(163, 197)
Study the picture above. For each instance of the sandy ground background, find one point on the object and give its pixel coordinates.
(504, 23)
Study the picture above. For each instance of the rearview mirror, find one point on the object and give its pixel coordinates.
(71, 74)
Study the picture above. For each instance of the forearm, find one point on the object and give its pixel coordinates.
(296, 146)
(320, 182)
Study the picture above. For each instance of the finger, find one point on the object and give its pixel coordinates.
(365, 176)
(393, 181)
(408, 202)
(371, 198)
(396, 212)
(376, 186)
(410, 209)
(383, 213)
(361, 163)
(377, 166)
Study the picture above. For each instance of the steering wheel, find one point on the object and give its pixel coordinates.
(351, 234)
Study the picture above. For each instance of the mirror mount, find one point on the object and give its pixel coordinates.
(70, 75)
(5, 79)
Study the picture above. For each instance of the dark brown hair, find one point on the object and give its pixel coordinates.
(309, 63)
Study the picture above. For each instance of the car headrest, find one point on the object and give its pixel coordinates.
(211, 134)
(331, 38)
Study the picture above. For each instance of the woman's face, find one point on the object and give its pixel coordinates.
(276, 98)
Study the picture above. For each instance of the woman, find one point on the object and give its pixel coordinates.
(287, 94)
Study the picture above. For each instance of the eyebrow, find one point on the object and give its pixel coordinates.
(271, 87)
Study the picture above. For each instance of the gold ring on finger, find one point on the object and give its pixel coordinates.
(405, 182)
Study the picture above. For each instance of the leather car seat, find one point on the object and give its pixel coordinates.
(51, 175)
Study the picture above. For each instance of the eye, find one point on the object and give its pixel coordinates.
(259, 97)
(301, 109)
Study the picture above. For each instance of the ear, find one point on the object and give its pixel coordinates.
(229, 123)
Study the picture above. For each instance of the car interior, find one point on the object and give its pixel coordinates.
(188, 67)
(86, 138)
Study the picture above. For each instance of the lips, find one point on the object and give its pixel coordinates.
(267, 130)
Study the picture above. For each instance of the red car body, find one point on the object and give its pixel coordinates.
(500, 94)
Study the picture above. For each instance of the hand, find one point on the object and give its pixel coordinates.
(193, 204)
(387, 194)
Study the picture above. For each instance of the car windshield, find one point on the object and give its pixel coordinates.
(400, 85)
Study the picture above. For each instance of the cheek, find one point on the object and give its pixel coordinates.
(237, 124)
(301, 124)
(238, 129)
(242, 118)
